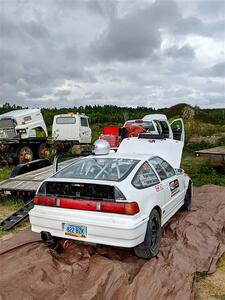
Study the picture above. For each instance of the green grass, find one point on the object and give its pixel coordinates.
(200, 128)
(15, 230)
(8, 205)
(192, 147)
(212, 286)
(200, 171)
(5, 172)
(12, 203)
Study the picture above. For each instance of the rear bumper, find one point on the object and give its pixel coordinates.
(102, 228)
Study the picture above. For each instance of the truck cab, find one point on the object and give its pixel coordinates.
(71, 127)
(21, 124)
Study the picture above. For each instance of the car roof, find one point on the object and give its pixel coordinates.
(152, 117)
(136, 156)
(20, 113)
(71, 115)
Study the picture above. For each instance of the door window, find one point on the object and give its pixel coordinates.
(162, 167)
(177, 128)
(84, 122)
(145, 177)
(165, 129)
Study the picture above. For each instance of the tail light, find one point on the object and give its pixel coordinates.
(131, 208)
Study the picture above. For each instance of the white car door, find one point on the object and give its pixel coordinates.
(148, 183)
(177, 127)
(171, 184)
(85, 131)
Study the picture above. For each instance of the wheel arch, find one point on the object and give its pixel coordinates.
(157, 207)
(190, 188)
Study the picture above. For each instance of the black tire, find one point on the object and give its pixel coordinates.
(150, 247)
(187, 201)
(24, 154)
(56, 239)
(42, 151)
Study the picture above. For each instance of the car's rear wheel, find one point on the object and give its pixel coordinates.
(187, 200)
(150, 247)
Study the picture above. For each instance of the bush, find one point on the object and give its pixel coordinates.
(192, 147)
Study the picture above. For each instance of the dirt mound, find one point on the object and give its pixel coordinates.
(192, 242)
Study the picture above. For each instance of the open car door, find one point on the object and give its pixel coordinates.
(177, 127)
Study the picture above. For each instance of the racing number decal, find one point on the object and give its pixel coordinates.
(174, 187)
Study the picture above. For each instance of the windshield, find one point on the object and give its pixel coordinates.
(146, 124)
(6, 123)
(112, 169)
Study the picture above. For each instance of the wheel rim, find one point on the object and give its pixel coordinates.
(43, 151)
(25, 155)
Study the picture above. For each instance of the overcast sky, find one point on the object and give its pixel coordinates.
(128, 52)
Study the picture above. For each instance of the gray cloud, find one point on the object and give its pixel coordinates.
(136, 35)
(66, 52)
(186, 52)
(195, 26)
(213, 8)
(217, 70)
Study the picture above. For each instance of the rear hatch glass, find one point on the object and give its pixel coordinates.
(81, 191)
(108, 169)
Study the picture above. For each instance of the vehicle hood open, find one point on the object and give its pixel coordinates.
(169, 149)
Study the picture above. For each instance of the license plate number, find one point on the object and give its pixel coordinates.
(75, 230)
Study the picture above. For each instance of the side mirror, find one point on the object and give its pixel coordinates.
(179, 171)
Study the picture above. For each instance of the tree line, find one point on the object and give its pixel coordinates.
(112, 114)
(97, 114)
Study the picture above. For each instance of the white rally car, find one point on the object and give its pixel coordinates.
(119, 199)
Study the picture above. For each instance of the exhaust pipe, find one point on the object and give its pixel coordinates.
(45, 236)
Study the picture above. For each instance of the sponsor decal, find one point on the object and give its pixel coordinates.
(174, 187)
(86, 133)
(158, 187)
(151, 141)
(143, 180)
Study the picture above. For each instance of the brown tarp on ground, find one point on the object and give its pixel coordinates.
(192, 242)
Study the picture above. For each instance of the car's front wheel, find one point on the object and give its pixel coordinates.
(150, 247)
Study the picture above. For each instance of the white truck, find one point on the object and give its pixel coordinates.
(24, 135)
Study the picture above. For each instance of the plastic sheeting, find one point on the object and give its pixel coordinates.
(192, 242)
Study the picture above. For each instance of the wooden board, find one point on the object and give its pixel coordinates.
(215, 150)
(215, 155)
(26, 182)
